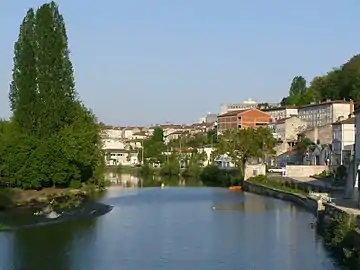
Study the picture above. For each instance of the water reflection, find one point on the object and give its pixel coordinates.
(49, 247)
(133, 180)
(173, 229)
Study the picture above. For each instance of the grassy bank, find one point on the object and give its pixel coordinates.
(278, 184)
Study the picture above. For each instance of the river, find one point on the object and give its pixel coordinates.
(173, 228)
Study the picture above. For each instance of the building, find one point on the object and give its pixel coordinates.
(208, 118)
(246, 104)
(353, 184)
(120, 149)
(278, 113)
(290, 157)
(243, 119)
(286, 131)
(325, 113)
(343, 141)
(125, 157)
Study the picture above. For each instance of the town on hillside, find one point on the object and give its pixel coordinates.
(321, 135)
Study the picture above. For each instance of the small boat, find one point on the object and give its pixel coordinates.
(235, 188)
(162, 185)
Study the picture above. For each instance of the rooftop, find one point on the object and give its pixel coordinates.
(233, 113)
(350, 121)
(328, 102)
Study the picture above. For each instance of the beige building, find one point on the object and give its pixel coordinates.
(343, 141)
(326, 113)
(281, 112)
(288, 129)
(286, 132)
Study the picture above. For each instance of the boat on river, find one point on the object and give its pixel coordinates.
(235, 188)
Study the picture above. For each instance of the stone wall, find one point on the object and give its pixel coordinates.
(304, 170)
(322, 133)
(304, 201)
(254, 170)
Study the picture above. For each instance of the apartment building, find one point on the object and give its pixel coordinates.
(249, 118)
(325, 113)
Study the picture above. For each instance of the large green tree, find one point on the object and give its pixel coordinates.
(242, 145)
(23, 88)
(53, 139)
(153, 147)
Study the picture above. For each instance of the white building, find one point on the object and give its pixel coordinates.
(343, 141)
(353, 185)
(246, 104)
(119, 150)
(326, 113)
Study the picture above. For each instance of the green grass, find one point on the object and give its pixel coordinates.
(280, 185)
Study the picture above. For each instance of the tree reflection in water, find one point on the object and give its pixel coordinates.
(48, 247)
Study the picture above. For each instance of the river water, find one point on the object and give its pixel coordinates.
(174, 228)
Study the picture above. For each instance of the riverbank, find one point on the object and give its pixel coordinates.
(339, 228)
(48, 206)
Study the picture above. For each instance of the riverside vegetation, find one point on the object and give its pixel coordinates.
(242, 146)
(51, 139)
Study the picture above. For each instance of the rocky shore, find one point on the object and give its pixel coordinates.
(50, 207)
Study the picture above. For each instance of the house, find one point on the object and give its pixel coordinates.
(128, 132)
(343, 141)
(325, 113)
(141, 135)
(116, 157)
(170, 128)
(282, 112)
(289, 128)
(318, 154)
(174, 136)
(249, 118)
(286, 131)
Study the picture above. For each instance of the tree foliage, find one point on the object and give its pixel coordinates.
(52, 138)
(153, 147)
(337, 84)
(213, 176)
(195, 140)
(242, 145)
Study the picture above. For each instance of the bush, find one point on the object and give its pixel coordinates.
(213, 176)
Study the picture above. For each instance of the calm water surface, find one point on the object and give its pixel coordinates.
(173, 229)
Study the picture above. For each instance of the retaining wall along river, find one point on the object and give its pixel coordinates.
(340, 228)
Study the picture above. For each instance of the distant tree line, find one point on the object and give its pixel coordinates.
(52, 139)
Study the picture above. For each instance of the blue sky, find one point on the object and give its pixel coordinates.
(151, 61)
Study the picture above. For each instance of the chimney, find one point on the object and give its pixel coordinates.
(351, 108)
